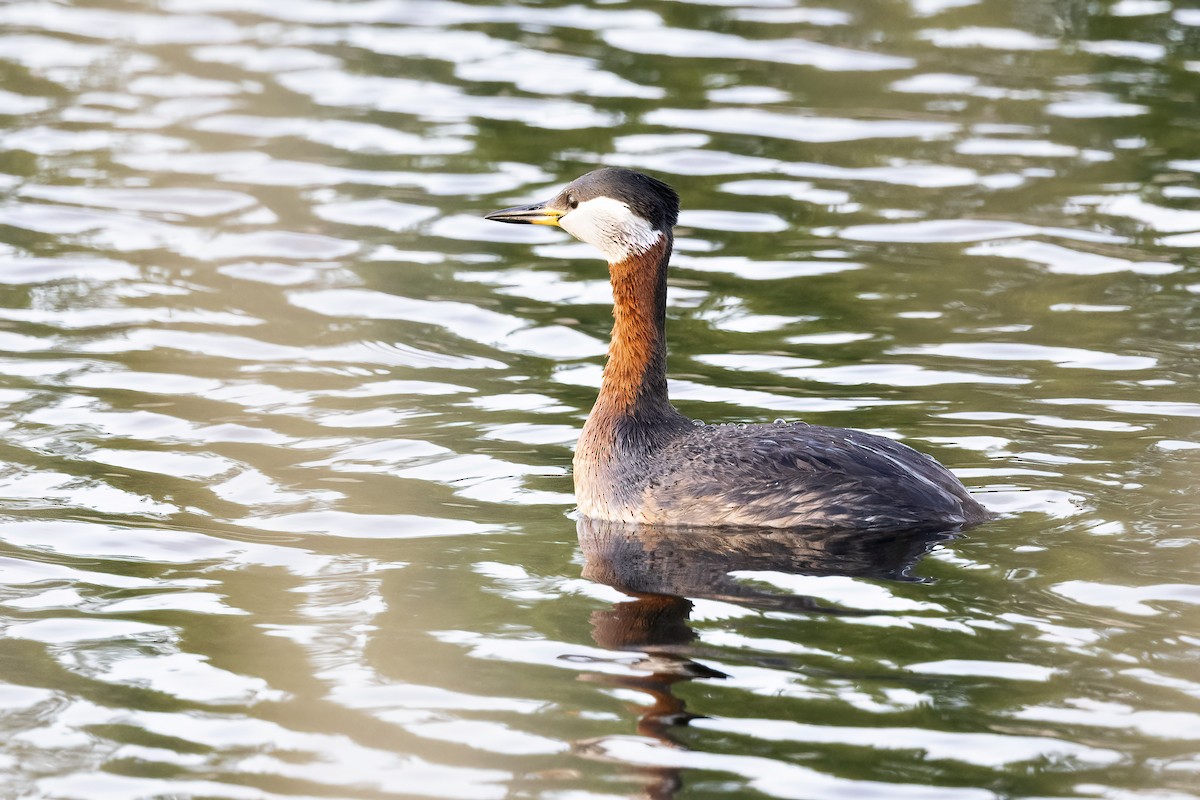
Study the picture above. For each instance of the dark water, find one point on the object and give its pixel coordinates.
(287, 427)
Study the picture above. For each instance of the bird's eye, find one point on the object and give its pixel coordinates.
(572, 202)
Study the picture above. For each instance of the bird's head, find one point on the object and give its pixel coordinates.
(621, 212)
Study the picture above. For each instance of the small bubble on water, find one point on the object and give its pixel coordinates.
(741, 426)
(699, 423)
(781, 421)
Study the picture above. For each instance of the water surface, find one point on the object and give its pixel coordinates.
(287, 427)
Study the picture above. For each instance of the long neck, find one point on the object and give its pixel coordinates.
(635, 378)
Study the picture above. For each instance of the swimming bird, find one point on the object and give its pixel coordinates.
(639, 460)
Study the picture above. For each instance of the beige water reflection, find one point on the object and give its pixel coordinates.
(286, 425)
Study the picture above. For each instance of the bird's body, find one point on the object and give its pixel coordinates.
(780, 475)
(639, 460)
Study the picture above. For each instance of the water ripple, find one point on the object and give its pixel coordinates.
(754, 122)
(709, 44)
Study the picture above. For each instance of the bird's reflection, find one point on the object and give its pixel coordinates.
(664, 569)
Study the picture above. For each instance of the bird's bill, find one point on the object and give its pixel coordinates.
(536, 214)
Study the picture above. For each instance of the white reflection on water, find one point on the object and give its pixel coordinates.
(984, 749)
(710, 44)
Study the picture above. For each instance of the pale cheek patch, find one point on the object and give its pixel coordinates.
(609, 225)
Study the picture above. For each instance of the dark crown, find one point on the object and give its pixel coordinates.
(649, 198)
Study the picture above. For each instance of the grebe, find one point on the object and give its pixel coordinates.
(639, 460)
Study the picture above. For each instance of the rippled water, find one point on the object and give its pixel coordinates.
(287, 426)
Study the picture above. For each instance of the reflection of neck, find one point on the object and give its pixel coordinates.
(636, 374)
(656, 625)
(653, 620)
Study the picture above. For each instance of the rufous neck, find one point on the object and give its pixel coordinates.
(635, 376)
